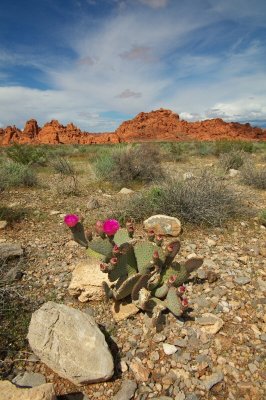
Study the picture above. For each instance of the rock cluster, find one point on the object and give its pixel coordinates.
(155, 125)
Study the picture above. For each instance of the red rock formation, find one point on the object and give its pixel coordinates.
(159, 125)
(166, 125)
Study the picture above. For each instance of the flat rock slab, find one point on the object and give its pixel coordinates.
(29, 379)
(210, 323)
(163, 225)
(8, 250)
(11, 392)
(86, 282)
(123, 311)
(127, 391)
(70, 343)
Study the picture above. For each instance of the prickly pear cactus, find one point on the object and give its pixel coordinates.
(143, 268)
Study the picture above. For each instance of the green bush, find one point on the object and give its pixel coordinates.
(62, 166)
(13, 174)
(140, 163)
(201, 200)
(262, 217)
(253, 176)
(232, 160)
(227, 146)
(27, 154)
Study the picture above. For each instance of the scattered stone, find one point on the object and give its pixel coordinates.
(211, 324)
(212, 276)
(192, 396)
(233, 173)
(188, 175)
(163, 225)
(8, 250)
(29, 379)
(211, 242)
(3, 224)
(11, 392)
(252, 368)
(70, 343)
(14, 274)
(159, 337)
(140, 372)
(181, 342)
(242, 280)
(86, 282)
(93, 204)
(54, 212)
(126, 191)
(169, 349)
(180, 396)
(213, 379)
(127, 390)
(122, 311)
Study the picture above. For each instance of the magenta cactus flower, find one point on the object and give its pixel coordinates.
(71, 220)
(110, 227)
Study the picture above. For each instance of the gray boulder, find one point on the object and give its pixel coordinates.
(10, 250)
(70, 343)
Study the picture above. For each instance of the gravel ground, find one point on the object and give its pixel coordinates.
(216, 351)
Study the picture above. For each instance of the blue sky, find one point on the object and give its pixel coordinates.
(97, 63)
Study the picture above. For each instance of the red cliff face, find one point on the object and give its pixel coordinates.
(166, 125)
(159, 125)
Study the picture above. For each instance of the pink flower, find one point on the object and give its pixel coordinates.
(71, 220)
(110, 227)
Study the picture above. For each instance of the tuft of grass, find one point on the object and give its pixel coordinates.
(254, 176)
(139, 163)
(13, 174)
(27, 154)
(227, 146)
(262, 217)
(62, 166)
(204, 200)
(232, 159)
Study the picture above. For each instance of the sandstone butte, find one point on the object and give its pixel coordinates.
(159, 125)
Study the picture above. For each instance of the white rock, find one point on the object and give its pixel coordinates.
(3, 224)
(163, 225)
(11, 392)
(233, 173)
(87, 281)
(69, 342)
(169, 348)
(188, 175)
(54, 212)
(126, 191)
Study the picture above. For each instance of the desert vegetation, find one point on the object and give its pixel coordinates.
(222, 214)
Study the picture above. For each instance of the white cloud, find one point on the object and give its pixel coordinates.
(154, 3)
(138, 60)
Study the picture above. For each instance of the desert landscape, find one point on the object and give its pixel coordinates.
(209, 194)
(132, 200)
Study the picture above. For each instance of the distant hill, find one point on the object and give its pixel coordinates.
(159, 125)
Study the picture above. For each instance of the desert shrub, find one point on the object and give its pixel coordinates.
(201, 200)
(173, 151)
(227, 146)
(203, 148)
(62, 166)
(139, 163)
(232, 160)
(27, 154)
(253, 176)
(262, 217)
(103, 164)
(15, 174)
